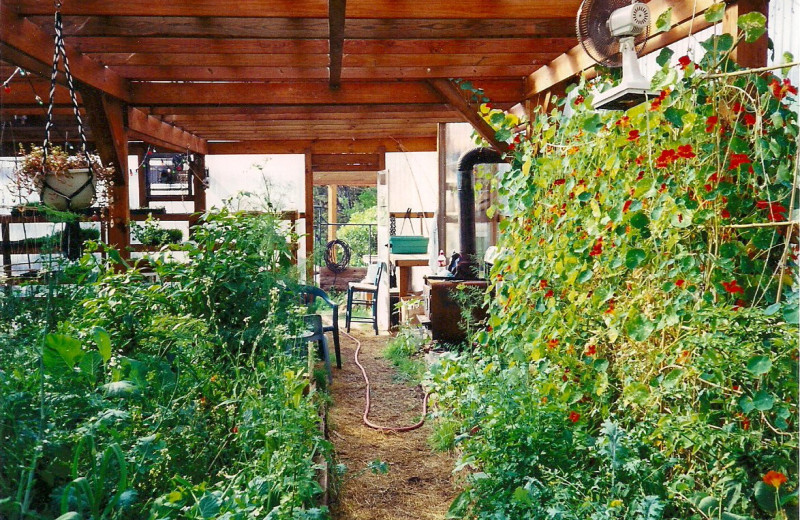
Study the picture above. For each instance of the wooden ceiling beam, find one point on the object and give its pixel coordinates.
(685, 21)
(348, 162)
(306, 93)
(299, 146)
(434, 115)
(294, 28)
(443, 9)
(29, 39)
(336, 20)
(363, 179)
(179, 45)
(452, 94)
(154, 131)
(206, 73)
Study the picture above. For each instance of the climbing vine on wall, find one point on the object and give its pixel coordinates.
(641, 354)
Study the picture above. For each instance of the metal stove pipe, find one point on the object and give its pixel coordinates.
(468, 267)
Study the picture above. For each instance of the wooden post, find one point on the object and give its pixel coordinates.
(141, 173)
(5, 229)
(198, 173)
(106, 117)
(441, 216)
(747, 55)
(333, 210)
(309, 181)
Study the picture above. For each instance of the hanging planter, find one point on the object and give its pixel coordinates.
(64, 182)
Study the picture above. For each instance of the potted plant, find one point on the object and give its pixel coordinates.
(64, 182)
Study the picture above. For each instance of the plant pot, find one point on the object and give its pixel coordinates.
(72, 191)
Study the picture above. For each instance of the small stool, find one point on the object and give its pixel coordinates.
(312, 324)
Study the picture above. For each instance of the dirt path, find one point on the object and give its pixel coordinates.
(418, 485)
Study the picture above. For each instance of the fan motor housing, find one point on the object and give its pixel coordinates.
(629, 20)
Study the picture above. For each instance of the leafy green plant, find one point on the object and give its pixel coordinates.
(150, 233)
(641, 355)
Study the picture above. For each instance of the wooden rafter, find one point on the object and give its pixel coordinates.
(365, 179)
(27, 38)
(154, 131)
(336, 20)
(450, 92)
(299, 146)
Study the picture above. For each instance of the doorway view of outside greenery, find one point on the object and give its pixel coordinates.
(355, 223)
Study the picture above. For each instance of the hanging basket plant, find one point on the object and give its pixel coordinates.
(64, 182)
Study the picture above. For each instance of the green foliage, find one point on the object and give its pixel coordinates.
(361, 240)
(150, 233)
(126, 399)
(404, 351)
(642, 355)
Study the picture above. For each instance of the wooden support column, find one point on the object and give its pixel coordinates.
(309, 199)
(198, 171)
(333, 209)
(106, 117)
(140, 173)
(747, 55)
(441, 216)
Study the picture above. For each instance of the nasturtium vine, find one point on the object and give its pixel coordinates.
(646, 286)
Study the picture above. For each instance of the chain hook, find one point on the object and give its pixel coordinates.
(57, 4)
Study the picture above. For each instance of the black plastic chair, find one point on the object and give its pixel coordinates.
(358, 292)
(313, 332)
(310, 294)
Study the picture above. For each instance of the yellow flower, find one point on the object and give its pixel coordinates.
(615, 503)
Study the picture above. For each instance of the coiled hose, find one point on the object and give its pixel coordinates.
(370, 424)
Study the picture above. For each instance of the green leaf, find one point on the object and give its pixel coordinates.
(209, 505)
(593, 124)
(763, 401)
(791, 315)
(458, 508)
(497, 118)
(788, 57)
(635, 258)
(637, 393)
(90, 363)
(119, 389)
(639, 327)
(746, 404)
(70, 516)
(664, 56)
(585, 276)
(708, 505)
(672, 378)
(103, 341)
(753, 24)
(715, 13)
(639, 220)
(61, 351)
(765, 496)
(664, 21)
(650, 508)
(522, 496)
(759, 365)
(504, 134)
(675, 116)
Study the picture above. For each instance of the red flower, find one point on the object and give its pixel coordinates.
(551, 344)
(684, 62)
(591, 350)
(640, 176)
(738, 159)
(559, 182)
(680, 283)
(655, 104)
(626, 205)
(739, 304)
(779, 90)
(725, 213)
(578, 100)
(738, 108)
(575, 417)
(749, 119)
(633, 135)
(777, 212)
(772, 478)
(597, 250)
(235, 429)
(686, 151)
(542, 284)
(611, 306)
(623, 121)
(666, 158)
(733, 287)
(549, 294)
(711, 122)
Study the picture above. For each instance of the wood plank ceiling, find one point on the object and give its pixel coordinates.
(286, 71)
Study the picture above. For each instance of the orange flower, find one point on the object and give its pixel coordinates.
(774, 479)
(551, 344)
(575, 417)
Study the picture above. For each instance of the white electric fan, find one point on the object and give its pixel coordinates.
(613, 33)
